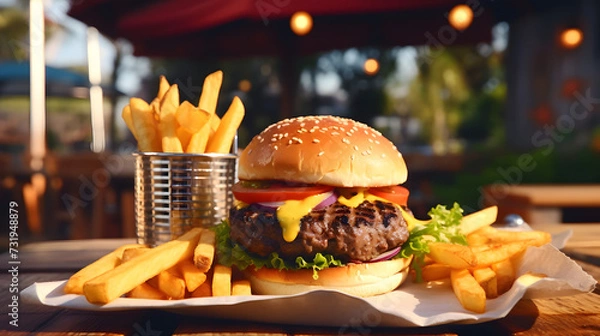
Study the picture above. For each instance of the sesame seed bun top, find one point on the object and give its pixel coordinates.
(323, 150)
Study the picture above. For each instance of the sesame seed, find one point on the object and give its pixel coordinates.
(370, 140)
(349, 133)
(316, 141)
(377, 142)
(290, 142)
(275, 147)
(261, 140)
(352, 157)
(321, 153)
(273, 139)
(364, 153)
(250, 151)
(335, 133)
(302, 124)
(355, 147)
(346, 141)
(285, 135)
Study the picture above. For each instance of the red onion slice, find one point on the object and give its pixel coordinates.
(330, 199)
(387, 255)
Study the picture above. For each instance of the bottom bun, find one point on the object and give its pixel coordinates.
(363, 280)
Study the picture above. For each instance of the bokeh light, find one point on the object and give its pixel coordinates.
(301, 23)
(571, 38)
(371, 66)
(460, 17)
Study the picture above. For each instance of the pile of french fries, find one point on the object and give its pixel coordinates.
(165, 125)
(182, 268)
(484, 269)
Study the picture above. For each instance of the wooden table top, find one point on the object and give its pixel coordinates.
(554, 195)
(49, 261)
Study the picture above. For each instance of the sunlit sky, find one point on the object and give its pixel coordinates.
(67, 48)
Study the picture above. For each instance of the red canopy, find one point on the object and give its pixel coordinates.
(233, 28)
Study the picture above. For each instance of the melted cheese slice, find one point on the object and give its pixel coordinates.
(291, 212)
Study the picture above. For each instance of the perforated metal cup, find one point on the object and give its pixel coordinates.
(176, 192)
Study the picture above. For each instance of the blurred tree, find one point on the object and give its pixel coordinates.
(437, 95)
(14, 30)
(366, 92)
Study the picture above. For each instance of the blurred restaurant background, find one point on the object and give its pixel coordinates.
(481, 97)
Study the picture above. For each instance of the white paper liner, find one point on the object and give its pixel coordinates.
(410, 305)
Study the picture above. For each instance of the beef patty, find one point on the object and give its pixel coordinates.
(360, 233)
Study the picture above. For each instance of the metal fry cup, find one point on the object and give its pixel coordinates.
(176, 192)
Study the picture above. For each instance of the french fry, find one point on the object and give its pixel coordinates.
(145, 291)
(203, 290)
(106, 263)
(506, 275)
(167, 123)
(163, 87)
(241, 287)
(131, 253)
(192, 276)
(171, 284)
(125, 277)
(492, 235)
(184, 136)
(214, 121)
(499, 252)
(472, 222)
(222, 140)
(145, 126)
(221, 282)
(435, 272)
(199, 140)
(487, 279)
(205, 251)
(469, 293)
(191, 118)
(210, 92)
(477, 239)
(126, 115)
(453, 255)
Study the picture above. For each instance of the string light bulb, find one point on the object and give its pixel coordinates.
(371, 66)
(571, 38)
(301, 23)
(460, 17)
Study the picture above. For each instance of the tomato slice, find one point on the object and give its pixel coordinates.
(396, 194)
(244, 192)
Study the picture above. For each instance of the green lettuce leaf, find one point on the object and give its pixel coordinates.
(444, 226)
(231, 254)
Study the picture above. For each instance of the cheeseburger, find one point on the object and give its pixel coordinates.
(319, 205)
